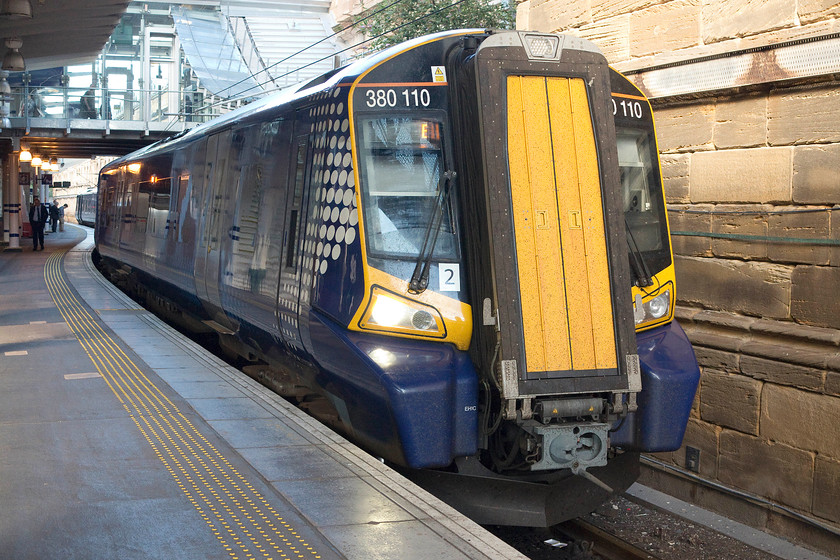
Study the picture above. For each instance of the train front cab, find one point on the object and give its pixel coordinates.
(558, 333)
(555, 318)
(509, 133)
(560, 304)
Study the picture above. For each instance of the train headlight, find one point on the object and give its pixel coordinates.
(542, 46)
(382, 357)
(652, 310)
(659, 306)
(394, 313)
(388, 312)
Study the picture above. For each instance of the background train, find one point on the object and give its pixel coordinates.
(455, 251)
(86, 209)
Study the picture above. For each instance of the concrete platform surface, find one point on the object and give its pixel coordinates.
(121, 439)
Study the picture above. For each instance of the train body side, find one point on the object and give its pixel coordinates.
(252, 230)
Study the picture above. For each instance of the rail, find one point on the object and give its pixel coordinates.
(602, 543)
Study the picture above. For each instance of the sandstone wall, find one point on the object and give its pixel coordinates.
(752, 176)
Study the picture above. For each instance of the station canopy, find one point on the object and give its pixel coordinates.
(249, 47)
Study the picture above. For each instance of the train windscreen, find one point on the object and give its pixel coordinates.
(401, 163)
(641, 181)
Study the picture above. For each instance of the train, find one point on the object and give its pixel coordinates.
(86, 209)
(454, 251)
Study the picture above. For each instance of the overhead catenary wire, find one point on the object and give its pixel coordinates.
(316, 43)
(434, 12)
(306, 48)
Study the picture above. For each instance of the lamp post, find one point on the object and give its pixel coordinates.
(12, 207)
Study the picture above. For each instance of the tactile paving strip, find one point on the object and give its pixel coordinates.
(239, 516)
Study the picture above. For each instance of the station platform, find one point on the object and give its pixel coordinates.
(121, 439)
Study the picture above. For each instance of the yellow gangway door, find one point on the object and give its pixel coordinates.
(558, 219)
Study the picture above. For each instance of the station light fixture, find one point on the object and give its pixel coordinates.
(25, 154)
(54, 165)
(36, 161)
(15, 9)
(13, 61)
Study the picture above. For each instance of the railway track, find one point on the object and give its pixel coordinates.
(599, 543)
(572, 540)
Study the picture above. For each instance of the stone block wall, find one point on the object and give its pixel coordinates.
(752, 178)
(766, 411)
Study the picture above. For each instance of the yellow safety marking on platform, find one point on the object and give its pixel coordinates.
(16, 353)
(238, 515)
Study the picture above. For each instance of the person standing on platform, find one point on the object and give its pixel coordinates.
(61, 217)
(88, 102)
(37, 221)
(53, 216)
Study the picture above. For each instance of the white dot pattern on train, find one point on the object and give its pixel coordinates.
(332, 225)
(334, 213)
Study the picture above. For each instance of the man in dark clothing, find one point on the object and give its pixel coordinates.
(37, 221)
(54, 216)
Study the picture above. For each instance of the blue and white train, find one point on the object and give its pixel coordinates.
(455, 251)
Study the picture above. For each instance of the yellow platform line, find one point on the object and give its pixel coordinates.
(238, 515)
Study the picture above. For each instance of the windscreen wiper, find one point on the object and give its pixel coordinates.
(420, 278)
(640, 267)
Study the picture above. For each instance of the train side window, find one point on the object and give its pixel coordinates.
(159, 199)
(222, 153)
(182, 209)
(126, 205)
(116, 207)
(108, 188)
(300, 171)
(175, 204)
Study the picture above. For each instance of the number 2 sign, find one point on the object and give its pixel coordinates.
(450, 277)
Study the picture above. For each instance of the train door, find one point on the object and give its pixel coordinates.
(124, 205)
(291, 291)
(208, 255)
(559, 269)
(105, 213)
(559, 227)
